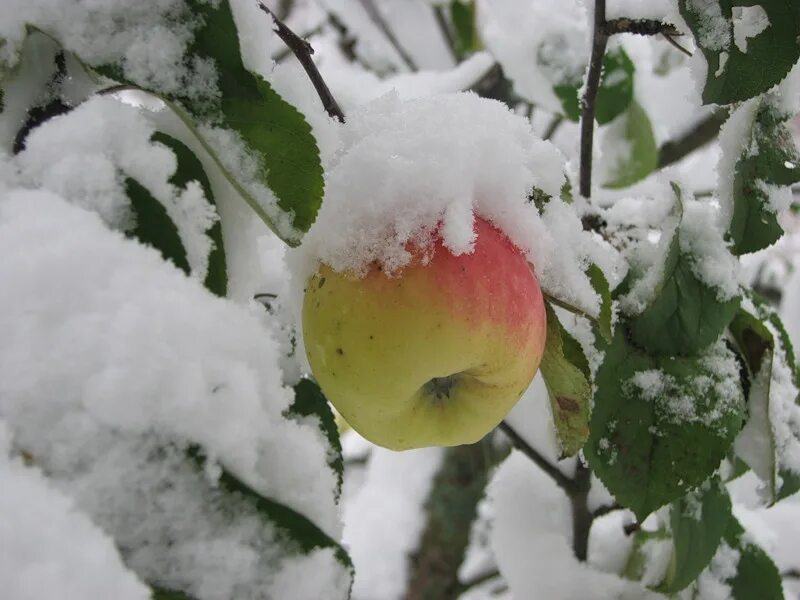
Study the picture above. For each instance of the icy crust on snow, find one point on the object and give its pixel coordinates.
(50, 549)
(113, 365)
(86, 155)
(707, 398)
(397, 180)
(149, 40)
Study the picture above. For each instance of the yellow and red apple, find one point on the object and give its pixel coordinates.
(435, 355)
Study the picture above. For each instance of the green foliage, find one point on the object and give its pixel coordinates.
(191, 169)
(462, 15)
(734, 75)
(755, 331)
(154, 227)
(651, 445)
(275, 132)
(309, 401)
(566, 375)
(616, 89)
(602, 288)
(642, 158)
(756, 574)
(698, 522)
(685, 316)
(769, 157)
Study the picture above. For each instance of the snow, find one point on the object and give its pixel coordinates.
(50, 548)
(107, 386)
(385, 518)
(712, 582)
(532, 539)
(706, 398)
(734, 140)
(396, 180)
(149, 40)
(713, 28)
(748, 22)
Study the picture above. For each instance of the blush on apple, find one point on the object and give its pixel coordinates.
(435, 355)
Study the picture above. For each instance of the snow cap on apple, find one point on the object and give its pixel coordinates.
(423, 320)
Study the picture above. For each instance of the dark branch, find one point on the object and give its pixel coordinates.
(477, 580)
(676, 45)
(699, 135)
(640, 27)
(604, 510)
(303, 51)
(444, 27)
(553, 127)
(599, 42)
(564, 482)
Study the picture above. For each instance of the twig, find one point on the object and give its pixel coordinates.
(570, 308)
(376, 17)
(303, 51)
(441, 21)
(553, 127)
(699, 135)
(640, 27)
(599, 42)
(604, 510)
(564, 482)
(477, 580)
(675, 44)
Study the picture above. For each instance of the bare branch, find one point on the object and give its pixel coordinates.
(377, 18)
(699, 135)
(303, 51)
(599, 42)
(564, 482)
(639, 27)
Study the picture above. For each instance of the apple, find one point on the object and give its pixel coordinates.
(435, 355)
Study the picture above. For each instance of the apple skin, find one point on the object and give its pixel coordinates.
(435, 355)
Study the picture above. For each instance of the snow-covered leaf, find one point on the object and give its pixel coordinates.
(698, 522)
(772, 433)
(768, 163)
(566, 375)
(755, 575)
(749, 46)
(191, 169)
(661, 426)
(686, 314)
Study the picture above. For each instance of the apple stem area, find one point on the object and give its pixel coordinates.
(439, 388)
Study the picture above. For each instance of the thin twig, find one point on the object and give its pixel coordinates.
(441, 21)
(599, 42)
(303, 51)
(376, 17)
(553, 127)
(701, 134)
(675, 44)
(564, 482)
(604, 510)
(477, 580)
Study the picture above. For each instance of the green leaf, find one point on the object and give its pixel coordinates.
(756, 343)
(636, 566)
(770, 157)
(191, 169)
(756, 574)
(685, 316)
(310, 401)
(602, 288)
(616, 86)
(154, 227)
(733, 75)
(661, 426)
(566, 374)
(275, 132)
(462, 14)
(698, 522)
(162, 594)
(642, 156)
(614, 96)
